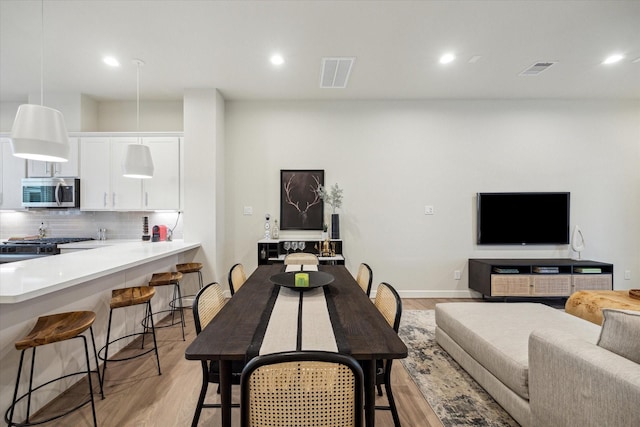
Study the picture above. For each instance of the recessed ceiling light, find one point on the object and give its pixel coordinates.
(277, 59)
(447, 58)
(111, 61)
(613, 59)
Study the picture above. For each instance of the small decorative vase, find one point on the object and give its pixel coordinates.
(325, 235)
(335, 226)
(276, 231)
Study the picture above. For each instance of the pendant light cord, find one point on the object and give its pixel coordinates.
(42, 53)
(138, 96)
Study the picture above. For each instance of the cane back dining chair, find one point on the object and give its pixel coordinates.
(364, 278)
(301, 258)
(206, 305)
(304, 388)
(389, 304)
(237, 277)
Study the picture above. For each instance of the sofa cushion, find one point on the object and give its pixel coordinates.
(621, 333)
(497, 334)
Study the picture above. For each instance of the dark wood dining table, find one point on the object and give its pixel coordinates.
(228, 336)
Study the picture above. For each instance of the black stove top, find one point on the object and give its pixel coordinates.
(35, 247)
(47, 241)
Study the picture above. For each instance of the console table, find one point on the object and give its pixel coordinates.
(539, 278)
(272, 251)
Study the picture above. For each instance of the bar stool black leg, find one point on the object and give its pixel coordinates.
(86, 353)
(182, 322)
(173, 300)
(95, 354)
(153, 332)
(145, 323)
(106, 348)
(33, 362)
(15, 393)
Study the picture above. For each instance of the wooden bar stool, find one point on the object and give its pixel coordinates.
(48, 330)
(186, 268)
(168, 279)
(128, 297)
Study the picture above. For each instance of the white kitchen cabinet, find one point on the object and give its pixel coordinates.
(104, 188)
(95, 178)
(102, 185)
(126, 193)
(163, 190)
(13, 170)
(36, 168)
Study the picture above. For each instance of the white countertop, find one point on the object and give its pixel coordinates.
(24, 280)
(94, 244)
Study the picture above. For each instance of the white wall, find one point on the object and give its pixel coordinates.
(155, 116)
(8, 112)
(84, 114)
(393, 158)
(203, 137)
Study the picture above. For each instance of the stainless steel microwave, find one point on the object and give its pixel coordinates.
(51, 192)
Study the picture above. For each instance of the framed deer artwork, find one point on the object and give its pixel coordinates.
(301, 208)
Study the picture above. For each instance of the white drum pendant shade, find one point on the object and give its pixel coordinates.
(39, 133)
(137, 162)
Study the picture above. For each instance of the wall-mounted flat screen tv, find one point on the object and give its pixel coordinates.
(523, 218)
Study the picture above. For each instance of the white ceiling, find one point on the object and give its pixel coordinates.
(227, 45)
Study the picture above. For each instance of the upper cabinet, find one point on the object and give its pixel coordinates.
(163, 190)
(103, 187)
(13, 170)
(36, 168)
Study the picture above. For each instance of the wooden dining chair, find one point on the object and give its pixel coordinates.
(365, 278)
(301, 258)
(206, 305)
(304, 388)
(237, 277)
(389, 304)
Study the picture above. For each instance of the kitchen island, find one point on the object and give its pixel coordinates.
(80, 280)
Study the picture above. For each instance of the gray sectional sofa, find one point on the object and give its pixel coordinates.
(545, 366)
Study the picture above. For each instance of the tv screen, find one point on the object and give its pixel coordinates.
(523, 218)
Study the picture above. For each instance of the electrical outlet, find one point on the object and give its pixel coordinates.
(428, 210)
(248, 210)
(627, 275)
(456, 275)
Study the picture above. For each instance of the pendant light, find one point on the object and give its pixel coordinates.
(137, 162)
(39, 132)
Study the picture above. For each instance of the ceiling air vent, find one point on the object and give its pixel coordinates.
(335, 72)
(537, 68)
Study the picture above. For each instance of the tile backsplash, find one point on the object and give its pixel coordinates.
(76, 223)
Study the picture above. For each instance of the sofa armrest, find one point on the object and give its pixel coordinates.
(576, 383)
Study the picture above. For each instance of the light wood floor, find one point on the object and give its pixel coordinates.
(135, 395)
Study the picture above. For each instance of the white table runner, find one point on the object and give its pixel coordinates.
(295, 328)
(300, 267)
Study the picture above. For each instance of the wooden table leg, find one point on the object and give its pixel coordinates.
(225, 392)
(369, 370)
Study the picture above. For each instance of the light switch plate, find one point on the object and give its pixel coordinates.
(248, 210)
(428, 210)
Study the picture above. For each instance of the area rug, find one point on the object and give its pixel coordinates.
(454, 396)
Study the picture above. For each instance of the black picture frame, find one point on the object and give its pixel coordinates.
(300, 206)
